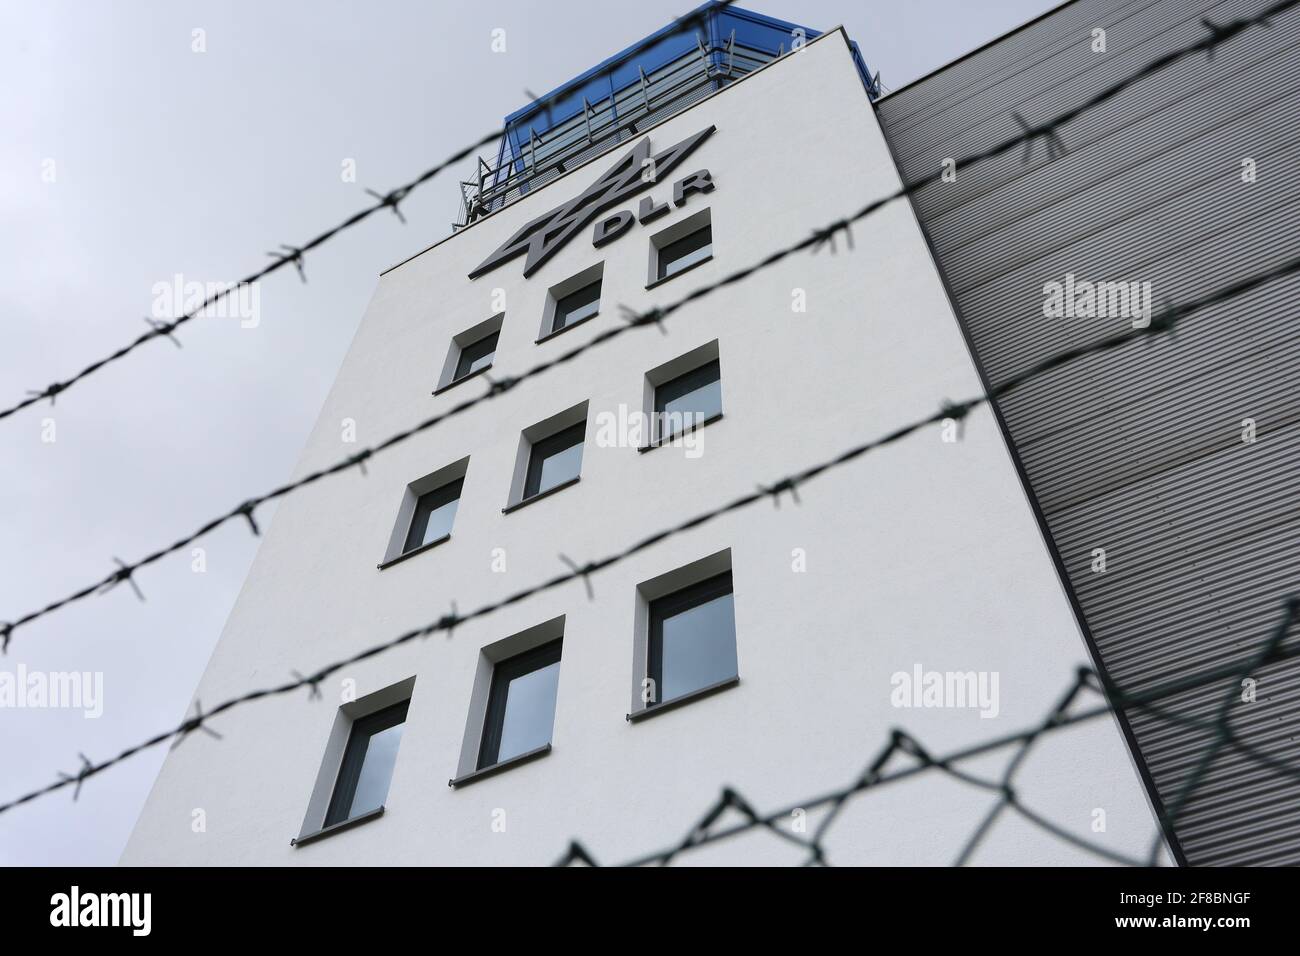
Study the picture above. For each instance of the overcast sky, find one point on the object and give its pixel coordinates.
(165, 161)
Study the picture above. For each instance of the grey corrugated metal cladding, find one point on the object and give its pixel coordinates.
(1146, 453)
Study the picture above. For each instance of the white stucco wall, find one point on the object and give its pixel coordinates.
(926, 552)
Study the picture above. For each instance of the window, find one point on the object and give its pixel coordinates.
(549, 457)
(368, 762)
(426, 514)
(521, 705)
(512, 706)
(476, 356)
(576, 306)
(355, 772)
(554, 460)
(681, 254)
(434, 513)
(689, 399)
(680, 247)
(692, 640)
(472, 351)
(575, 300)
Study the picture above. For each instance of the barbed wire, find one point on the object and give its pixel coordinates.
(900, 742)
(294, 255)
(1159, 324)
(819, 238)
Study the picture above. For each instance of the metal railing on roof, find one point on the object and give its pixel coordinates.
(604, 124)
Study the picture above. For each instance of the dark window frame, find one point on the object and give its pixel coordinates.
(548, 447)
(354, 758)
(670, 605)
(466, 351)
(441, 494)
(663, 259)
(503, 672)
(597, 283)
(696, 381)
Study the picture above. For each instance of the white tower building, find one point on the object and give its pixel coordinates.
(771, 650)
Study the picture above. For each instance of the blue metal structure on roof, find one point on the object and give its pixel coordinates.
(649, 80)
(753, 30)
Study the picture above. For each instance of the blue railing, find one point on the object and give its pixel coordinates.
(650, 80)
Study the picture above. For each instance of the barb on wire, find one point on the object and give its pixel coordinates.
(957, 412)
(79, 777)
(826, 235)
(164, 329)
(448, 622)
(390, 201)
(774, 491)
(584, 572)
(50, 392)
(550, 102)
(196, 722)
(497, 386)
(246, 511)
(1164, 322)
(1046, 132)
(311, 683)
(123, 573)
(653, 316)
(292, 254)
(359, 459)
(635, 319)
(1221, 34)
